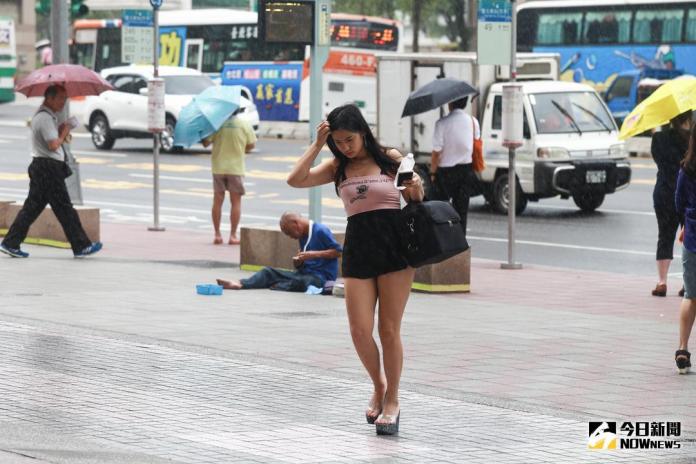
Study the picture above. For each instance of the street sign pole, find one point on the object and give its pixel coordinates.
(319, 54)
(512, 177)
(59, 46)
(155, 136)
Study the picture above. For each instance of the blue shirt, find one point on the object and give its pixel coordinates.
(321, 239)
(685, 199)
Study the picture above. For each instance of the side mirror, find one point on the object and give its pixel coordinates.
(526, 133)
(142, 90)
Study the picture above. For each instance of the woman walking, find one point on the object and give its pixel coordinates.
(668, 149)
(685, 200)
(374, 266)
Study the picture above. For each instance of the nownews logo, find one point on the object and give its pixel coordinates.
(634, 435)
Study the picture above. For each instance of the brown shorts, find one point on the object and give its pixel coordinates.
(228, 183)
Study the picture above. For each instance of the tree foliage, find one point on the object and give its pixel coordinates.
(384, 8)
(437, 17)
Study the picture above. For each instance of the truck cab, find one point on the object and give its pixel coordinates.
(571, 147)
(625, 93)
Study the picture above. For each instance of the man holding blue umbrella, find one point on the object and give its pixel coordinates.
(211, 118)
(230, 143)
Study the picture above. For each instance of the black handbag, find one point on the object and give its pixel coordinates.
(433, 232)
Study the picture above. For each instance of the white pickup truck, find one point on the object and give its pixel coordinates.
(571, 147)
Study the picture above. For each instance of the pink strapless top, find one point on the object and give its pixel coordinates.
(368, 193)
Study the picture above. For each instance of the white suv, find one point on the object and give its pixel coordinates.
(122, 112)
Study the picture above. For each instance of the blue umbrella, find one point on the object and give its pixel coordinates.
(206, 113)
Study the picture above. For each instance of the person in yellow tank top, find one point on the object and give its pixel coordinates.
(230, 143)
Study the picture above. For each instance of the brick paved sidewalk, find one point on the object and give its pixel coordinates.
(138, 402)
(524, 349)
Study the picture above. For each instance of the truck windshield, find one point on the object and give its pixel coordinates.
(571, 112)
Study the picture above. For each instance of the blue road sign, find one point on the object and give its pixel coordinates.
(156, 3)
(495, 11)
(137, 18)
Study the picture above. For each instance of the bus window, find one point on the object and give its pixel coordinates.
(526, 30)
(82, 53)
(691, 26)
(607, 27)
(109, 48)
(655, 26)
(559, 28)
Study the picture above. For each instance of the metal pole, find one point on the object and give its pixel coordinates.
(319, 53)
(512, 177)
(59, 31)
(155, 142)
(61, 54)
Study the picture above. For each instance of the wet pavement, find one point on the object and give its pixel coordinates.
(115, 359)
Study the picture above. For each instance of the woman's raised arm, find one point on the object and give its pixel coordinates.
(303, 174)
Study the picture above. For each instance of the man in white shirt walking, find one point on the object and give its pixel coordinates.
(450, 165)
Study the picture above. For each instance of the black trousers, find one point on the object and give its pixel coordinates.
(458, 183)
(667, 226)
(47, 186)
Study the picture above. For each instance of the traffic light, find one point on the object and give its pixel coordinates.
(43, 7)
(78, 8)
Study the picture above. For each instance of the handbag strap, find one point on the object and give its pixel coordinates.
(309, 235)
(65, 154)
(473, 128)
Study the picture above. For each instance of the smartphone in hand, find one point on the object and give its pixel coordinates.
(403, 176)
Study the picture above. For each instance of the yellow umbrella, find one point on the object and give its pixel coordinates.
(671, 99)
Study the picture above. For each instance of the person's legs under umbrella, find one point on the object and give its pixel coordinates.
(456, 181)
(62, 207)
(33, 206)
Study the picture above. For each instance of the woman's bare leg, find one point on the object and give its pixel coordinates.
(662, 270)
(686, 322)
(393, 290)
(361, 297)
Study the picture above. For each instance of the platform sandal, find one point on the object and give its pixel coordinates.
(371, 415)
(683, 360)
(389, 428)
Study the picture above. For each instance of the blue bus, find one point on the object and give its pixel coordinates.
(599, 40)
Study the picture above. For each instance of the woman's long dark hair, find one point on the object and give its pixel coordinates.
(689, 162)
(349, 118)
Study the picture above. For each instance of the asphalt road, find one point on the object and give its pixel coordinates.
(619, 237)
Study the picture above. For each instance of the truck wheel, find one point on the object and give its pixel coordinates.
(588, 202)
(101, 133)
(499, 197)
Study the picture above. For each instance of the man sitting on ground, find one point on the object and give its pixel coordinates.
(315, 263)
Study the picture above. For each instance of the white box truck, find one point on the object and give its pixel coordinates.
(571, 146)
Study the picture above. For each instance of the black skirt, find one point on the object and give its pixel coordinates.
(374, 244)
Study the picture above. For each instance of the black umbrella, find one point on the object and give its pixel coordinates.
(435, 94)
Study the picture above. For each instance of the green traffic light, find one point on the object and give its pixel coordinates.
(78, 8)
(43, 7)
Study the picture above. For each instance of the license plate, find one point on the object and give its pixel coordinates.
(595, 177)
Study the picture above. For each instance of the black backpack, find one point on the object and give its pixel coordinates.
(433, 232)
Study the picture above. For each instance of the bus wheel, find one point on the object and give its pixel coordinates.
(588, 202)
(101, 133)
(500, 197)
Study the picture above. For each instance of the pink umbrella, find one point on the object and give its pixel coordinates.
(76, 79)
